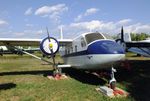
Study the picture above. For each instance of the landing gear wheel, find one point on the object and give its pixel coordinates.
(57, 73)
(113, 85)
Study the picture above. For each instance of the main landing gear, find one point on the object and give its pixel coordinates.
(111, 90)
(57, 73)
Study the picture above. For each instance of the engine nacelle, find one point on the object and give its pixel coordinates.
(121, 43)
(46, 45)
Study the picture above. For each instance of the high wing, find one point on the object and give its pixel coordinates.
(28, 42)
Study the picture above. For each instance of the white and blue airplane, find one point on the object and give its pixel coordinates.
(88, 51)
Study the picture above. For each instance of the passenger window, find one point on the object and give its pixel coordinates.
(65, 51)
(71, 49)
(75, 48)
(68, 51)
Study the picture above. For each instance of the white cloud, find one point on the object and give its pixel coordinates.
(88, 12)
(26, 34)
(124, 21)
(3, 22)
(39, 32)
(87, 25)
(79, 17)
(18, 34)
(73, 29)
(35, 32)
(51, 11)
(143, 28)
(94, 25)
(138, 28)
(111, 28)
(29, 25)
(28, 11)
(43, 10)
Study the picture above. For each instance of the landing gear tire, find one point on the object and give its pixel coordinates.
(57, 72)
(113, 85)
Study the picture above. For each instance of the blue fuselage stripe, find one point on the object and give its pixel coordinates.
(99, 47)
(85, 52)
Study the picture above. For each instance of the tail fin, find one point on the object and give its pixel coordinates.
(125, 37)
(61, 33)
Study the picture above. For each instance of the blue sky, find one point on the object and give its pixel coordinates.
(29, 18)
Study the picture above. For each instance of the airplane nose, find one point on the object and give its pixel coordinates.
(105, 47)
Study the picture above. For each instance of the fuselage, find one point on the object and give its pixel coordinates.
(92, 51)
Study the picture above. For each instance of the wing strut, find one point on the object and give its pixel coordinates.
(39, 58)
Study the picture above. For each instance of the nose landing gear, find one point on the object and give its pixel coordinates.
(112, 82)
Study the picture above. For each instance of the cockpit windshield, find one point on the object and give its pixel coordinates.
(92, 37)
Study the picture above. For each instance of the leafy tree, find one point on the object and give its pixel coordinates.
(139, 37)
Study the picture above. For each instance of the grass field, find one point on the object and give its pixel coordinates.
(24, 79)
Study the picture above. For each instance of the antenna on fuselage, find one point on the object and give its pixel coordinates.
(61, 33)
(90, 29)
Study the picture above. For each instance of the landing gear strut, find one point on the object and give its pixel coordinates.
(112, 90)
(57, 72)
(112, 82)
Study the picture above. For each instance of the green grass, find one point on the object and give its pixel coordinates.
(24, 79)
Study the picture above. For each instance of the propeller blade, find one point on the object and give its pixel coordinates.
(51, 48)
(122, 35)
(48, 35)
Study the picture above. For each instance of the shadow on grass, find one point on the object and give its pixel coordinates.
(73, 73)
(84, 77)
(6, 86)
(35, 72)
(137, 79)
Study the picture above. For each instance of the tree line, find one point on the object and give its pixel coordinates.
(139, 36)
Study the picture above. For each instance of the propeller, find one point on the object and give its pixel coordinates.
(50, 46)
(121, 39)
(51, 49)
(122, 35)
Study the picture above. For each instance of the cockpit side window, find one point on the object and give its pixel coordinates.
(83, 44)
(92, 37)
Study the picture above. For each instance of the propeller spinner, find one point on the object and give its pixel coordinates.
(48, 44)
